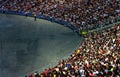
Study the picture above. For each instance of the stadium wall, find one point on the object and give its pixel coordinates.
(65, 24)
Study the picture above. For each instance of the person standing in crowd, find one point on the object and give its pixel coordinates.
(35, 16)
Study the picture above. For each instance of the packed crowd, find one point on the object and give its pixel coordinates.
(84, 14)
(98, 56)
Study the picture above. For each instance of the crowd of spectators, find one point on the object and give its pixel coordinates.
(1, 1)
(98, 56)
(84, 14)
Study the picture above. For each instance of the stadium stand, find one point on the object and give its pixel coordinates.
(99, 54)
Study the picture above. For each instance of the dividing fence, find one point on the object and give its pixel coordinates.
(65, 24)
(52, 19)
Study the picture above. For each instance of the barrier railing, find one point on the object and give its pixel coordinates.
(105, 27)
(52, 19)
(65, 24)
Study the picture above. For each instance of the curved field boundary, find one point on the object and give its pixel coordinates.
(65, 24)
